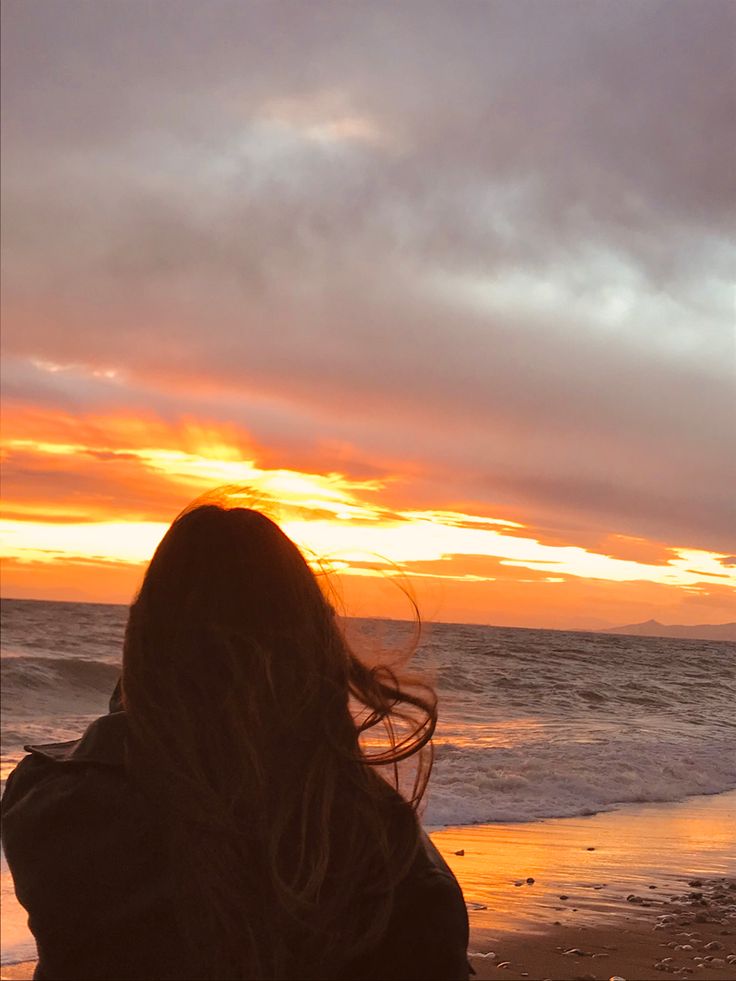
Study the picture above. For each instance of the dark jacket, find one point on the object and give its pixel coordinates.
(89, 867)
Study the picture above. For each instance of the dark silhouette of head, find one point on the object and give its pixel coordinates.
(242, 696)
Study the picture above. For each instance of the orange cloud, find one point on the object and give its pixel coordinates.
(88, 499)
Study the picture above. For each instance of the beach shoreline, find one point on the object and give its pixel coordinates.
(628, 889)
(621, 887)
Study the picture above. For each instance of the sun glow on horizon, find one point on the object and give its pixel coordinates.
(327, 515)
(342, 524)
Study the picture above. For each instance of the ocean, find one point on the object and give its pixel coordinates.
(533, 723)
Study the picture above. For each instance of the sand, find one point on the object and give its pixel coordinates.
(22, 970)
(614, 886)
(641, 885)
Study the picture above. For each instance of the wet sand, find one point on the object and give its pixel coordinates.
(23, 970)
(636, 893)
(615, 887)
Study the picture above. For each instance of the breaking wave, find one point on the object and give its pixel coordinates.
(23, 675)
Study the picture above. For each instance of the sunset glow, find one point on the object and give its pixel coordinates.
(423, 288)
(346, 525)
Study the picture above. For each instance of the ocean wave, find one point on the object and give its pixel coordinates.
(23, 675)
(552, 779)
(533, 724)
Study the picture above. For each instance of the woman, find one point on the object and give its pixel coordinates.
(224, 821)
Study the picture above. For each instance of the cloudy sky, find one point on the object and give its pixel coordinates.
(451, 282)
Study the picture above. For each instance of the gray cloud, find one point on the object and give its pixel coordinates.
(519, 276)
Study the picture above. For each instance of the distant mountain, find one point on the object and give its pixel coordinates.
(701, 631)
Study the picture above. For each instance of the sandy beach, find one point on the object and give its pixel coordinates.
(636, 893)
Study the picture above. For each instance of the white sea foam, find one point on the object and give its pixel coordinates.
(552, 779)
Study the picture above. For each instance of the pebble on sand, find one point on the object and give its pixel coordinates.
(461, 852)
(530, 881)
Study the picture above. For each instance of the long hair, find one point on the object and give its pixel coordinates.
(244, 702)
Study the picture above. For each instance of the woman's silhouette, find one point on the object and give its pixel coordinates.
(224, 821)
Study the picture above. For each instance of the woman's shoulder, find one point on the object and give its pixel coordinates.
(429, 874)
(432, 885)
(87, 860)
(70, 814)
(102, 743)
(68, 784)
(427, 935)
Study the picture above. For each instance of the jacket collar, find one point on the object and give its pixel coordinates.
(103, 744)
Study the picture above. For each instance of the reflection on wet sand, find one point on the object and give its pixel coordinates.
(632, 893)
(594, 862)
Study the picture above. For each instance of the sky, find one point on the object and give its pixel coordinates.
(449, 285)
